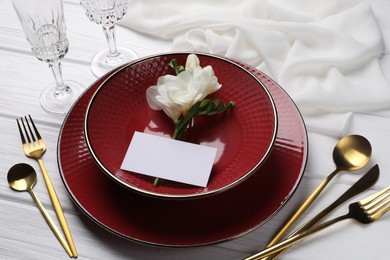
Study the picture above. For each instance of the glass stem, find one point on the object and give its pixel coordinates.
(109, 33)
(61, 87)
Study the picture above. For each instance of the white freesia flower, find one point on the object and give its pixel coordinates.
(175, 95)
(192, 63)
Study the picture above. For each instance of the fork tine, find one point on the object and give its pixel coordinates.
(35, 128)
(368, 201)
(21, 132)
(378, 205)
(25, 130)
(29, 128)
(381, 211)
(379, 199)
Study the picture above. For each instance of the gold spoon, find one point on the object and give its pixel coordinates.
(350, 153)
(22, 177)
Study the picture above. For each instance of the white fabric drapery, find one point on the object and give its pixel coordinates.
(324, 54)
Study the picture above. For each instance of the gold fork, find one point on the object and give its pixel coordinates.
(365, 211)
(34, 147)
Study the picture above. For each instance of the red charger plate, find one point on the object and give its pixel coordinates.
(193, 222)
(243, 136)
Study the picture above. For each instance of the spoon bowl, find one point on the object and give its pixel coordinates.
(22, 177)
(352, 153)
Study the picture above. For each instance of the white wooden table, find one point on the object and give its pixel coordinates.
(25, 235)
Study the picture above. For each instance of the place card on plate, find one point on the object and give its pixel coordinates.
(169, 159)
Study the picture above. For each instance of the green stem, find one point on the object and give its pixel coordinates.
(181, 126)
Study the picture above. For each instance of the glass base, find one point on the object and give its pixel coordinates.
(60, 103)
(100, 64)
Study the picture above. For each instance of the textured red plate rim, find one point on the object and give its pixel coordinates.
(185, 194)
(294, 139)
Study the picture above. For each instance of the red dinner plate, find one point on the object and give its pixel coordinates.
(243, 136)
(192, 222)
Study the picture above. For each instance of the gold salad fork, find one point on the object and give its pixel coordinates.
(34, 147)
(365, 211)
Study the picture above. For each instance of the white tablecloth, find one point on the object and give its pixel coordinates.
(25, 235)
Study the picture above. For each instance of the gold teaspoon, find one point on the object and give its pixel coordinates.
(22, 177)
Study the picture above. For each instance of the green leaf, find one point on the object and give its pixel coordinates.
(204, 102)
(177, 68)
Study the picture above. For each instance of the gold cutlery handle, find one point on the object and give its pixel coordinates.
(301, 209)
(51, 224)
(57, 207)
(295, 239)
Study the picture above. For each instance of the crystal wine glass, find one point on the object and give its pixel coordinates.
(107, 13)
(44, 27)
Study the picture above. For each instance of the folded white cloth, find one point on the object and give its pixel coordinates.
(324, 54)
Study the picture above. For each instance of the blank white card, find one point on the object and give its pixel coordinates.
(169, 159)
